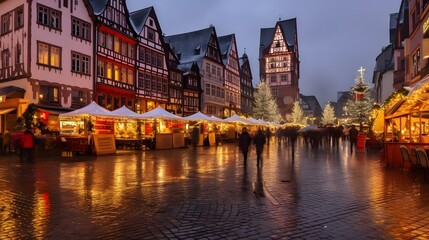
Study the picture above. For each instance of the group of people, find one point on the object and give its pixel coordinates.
(245, 140)
(19, 142)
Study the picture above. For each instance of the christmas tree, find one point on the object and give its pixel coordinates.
(359, 106)
(297, 115)
(265, 107)
(328, 115)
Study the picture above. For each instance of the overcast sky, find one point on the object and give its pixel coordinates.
(335, 37)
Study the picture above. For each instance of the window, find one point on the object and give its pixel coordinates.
(5, 62)
(49, 94)
(416, 63)
(101, 68)
(109, 41)
(6, 23)
(81, 29)
(48, 17)
(150, 35)
(207, 89)
(274, 92)
(117, 44)
(49, 55)
(79, 97)
(19, 17)
(80, 63)
(101, 39)
(66, 3)
(273, 78)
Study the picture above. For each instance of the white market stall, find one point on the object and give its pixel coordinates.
(167, 128)
(77, 128)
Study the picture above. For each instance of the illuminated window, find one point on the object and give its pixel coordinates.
(49, 55)
(49, 94)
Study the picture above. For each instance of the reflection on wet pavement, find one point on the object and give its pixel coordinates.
(208, 192)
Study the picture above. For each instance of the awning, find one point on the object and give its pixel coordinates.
(6, 110)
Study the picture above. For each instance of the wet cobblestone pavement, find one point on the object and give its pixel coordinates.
(207, 193)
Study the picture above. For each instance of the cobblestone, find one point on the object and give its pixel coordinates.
(208, 193)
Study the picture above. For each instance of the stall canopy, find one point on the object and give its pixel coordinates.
(237, 119)
(160, 113)
(126, 112)
(216, 119)
(198, 116)
(92, 109)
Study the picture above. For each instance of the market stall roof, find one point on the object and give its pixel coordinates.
(160, 113)
(198, 116)
(216, 119)
(237, 119)
(126, 112)
(92, 109)
(255, 121)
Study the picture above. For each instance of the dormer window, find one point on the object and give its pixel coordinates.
(197, 50)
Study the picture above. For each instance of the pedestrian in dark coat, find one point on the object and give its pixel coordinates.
(244, 142)
(195, 136)
(353, 137)
(259, 141)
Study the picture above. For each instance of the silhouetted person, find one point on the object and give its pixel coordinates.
(293, 136)
(353, 137)
(195, 136)
(244, 142)
(268, 135)
(259, 141)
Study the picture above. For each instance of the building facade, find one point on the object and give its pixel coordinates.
(47, 57)
(228, 48)
(246, 86)
(279, 63)
(152, 85)
(202, 47)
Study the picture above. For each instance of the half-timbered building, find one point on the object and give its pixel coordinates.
(228, 48)
(191, 88)
(202, 47)
(115, 54)
(152, 73)
(46, 52)
(279, 62)
(175, 83)
(246, 86)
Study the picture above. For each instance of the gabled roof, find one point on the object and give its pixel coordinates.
(98, 6)
(139, 17)
(191, 46)
(288, 28)
(12, 92)
(225, 45)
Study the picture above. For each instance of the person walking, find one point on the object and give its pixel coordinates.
(353, 135)
(27, 146)
(244, 143)
(259, 141)
(7, 141)
(195, 136)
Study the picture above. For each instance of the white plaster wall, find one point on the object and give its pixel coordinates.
(387, 85)
(64, 40)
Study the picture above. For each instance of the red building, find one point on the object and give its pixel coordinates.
(115, 55)
(279, 62)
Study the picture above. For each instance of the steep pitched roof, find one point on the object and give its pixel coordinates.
(289, 31)
(191, 46)
(98, 6)
(225, 45)
(139, 17)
